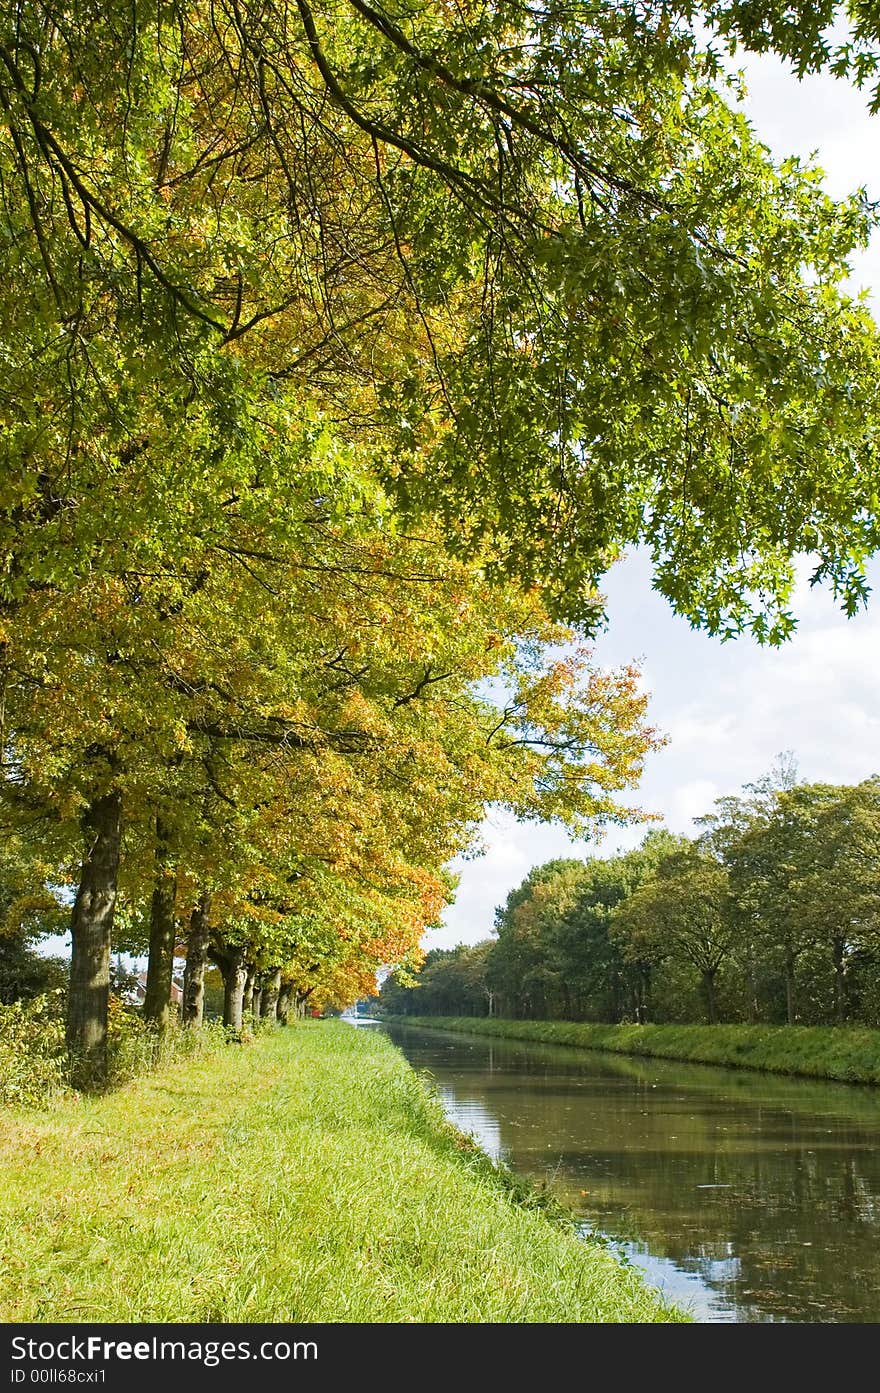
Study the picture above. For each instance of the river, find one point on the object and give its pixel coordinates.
(745, 1197)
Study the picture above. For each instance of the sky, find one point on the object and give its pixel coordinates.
(728, 709)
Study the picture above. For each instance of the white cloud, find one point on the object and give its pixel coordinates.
(690, 801)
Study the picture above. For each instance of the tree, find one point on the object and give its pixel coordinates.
(606, 984)
(835, 881)
(521, 970)
(728, 833)
(25, 973)
(767, 866)
(451, 982)
(684, 911)
(557, 953)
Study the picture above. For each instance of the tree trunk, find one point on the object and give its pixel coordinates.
(234, 975)
(197, 940)
(838, 949)
(631, 1005)
(641, 989)
(256, 1000)
(160, 969)
(301, 1000)
(754, 1007)
(789, 987)
(248, 998)
(708, 976)
(91, 929)
(285, 1000)
(271, 990)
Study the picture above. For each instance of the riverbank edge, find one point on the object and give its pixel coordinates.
(346, 1195)
(838, 1053)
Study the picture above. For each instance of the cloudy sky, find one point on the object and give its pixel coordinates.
(728, 709)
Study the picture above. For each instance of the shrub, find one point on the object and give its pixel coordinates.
(25, 974)
(34, 1065)
(33, 1057)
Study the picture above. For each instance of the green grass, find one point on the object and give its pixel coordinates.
(307, 1177)
(849, 1054)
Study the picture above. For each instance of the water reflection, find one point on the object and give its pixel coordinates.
(746, 1197)
(471, 1116)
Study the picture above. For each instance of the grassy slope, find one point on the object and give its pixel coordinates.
(850, 1054)
(308, 1177)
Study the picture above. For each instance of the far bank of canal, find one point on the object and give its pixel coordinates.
(745, 1196)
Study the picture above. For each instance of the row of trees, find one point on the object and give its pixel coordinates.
(771, 914)
(302, 844)
(343, 349)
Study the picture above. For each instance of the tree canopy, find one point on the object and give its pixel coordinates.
(530, 260)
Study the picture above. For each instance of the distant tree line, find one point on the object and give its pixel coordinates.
(771, 914)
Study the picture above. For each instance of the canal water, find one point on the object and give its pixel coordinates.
(743, 1196)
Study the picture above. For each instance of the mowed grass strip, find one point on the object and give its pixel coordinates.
(850, 1054)
(308, 1177)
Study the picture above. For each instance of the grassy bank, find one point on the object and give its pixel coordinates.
(307, 1177)
(851, 1055)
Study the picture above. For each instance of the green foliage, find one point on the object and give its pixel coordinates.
(34, 1062)
(452, 981)
(684, 909)
(556, 953)
(25, 973)
(33, 1059)
(31, 904)
(30, 908)
(213, 994)
(803, 867)
(578, 305)
(772, 913)
(135, 1048)
(837, 36)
